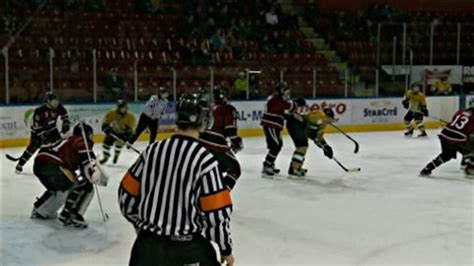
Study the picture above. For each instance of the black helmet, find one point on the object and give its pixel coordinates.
(219, 93)
(50, 96)
(190, 111)
(77, 131)
(121, 103)
(281, 87)
(300, 101)
(329, 112)
(163, 90)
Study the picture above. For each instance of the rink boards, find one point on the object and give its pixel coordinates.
(368, 114)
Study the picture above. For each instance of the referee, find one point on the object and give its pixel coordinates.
(174, 197)
(155, 107)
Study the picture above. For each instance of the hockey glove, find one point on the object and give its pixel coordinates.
(237, 144)
(424, 110)
(107, 129)
(328, 151)
(66, 126)
(326, 148)
(405, 104)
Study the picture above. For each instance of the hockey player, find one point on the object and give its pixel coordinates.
(457, 136)
(316, 122)
(150, 118)
(296, 126)
(416, 101)
(221, 127)
(119, 123)
(44, 130)
(273, 120)
(56, 168)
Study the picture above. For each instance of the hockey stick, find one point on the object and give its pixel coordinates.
(432, 117)
(348, 170)
(130, 146)
(105, 216)
(11, 158)
(356, 149)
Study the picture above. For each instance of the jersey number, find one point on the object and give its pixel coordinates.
(460, 121)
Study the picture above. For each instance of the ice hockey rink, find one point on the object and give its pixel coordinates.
(385, 214)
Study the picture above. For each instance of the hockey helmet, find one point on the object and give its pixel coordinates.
(122, 107)
(88, 131)
(189, 110)
(300, 102)
(220, 94)
(51, 99)
(416, 88)
(163, 92)
(281, 87)
(329, 112)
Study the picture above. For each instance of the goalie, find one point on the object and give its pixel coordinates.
(56, 169)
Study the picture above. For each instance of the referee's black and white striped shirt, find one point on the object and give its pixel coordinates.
(175, 188)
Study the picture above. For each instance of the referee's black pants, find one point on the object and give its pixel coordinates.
(150, 249)
(143, 123)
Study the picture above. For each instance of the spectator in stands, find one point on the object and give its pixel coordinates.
(267, 46)
(218, 41)
(203, 56)
(442, 86)
(240, 86)
(255, 88)
(271, 17)
(290, 43)
(291, 20)
(114, 88)
(311, 12)
(234, 45)
(8, 24)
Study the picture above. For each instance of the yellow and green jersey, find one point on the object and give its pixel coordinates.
(120, 124)
(417, 100)
(316, 122)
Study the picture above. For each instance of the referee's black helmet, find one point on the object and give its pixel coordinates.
(190, 111)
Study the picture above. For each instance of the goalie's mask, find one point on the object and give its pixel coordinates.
(77, 131)
(220, 95)
(51, 100)
(191, 111)
(329, 112)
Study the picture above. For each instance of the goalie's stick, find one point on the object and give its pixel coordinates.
(105, 216)
(348, 170)
(126, 143)
(11, 158)
(356, 149)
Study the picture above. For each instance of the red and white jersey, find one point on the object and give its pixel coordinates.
(275, 111)
(70, 153)
(458, 130)
(223, 126)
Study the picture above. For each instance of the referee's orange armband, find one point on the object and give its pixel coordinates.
(216, 201)
(131, 185)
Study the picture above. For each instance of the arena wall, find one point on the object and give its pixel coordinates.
(368, 114)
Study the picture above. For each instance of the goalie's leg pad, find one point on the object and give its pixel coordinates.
(48, 204)
(77, 202)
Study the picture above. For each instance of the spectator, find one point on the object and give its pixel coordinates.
(254, 86)
(235, 46)
(241, 86)
(267, 46)
(291, 45)
(218, 40)
(271, 17)
(442, 86)
(114, 88)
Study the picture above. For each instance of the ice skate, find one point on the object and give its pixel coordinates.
(423, 134)
(409, 133)
(267, 172)
(295, 173)
(18, 169)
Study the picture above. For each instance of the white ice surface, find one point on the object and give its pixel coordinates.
(384, 215)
